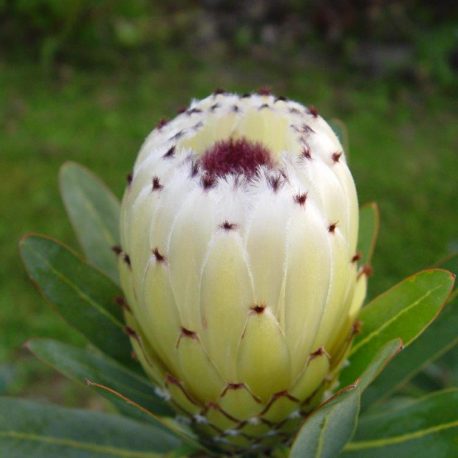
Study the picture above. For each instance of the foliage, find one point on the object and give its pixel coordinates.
(404, 311)
(413, 40)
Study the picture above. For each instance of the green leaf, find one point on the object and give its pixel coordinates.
(94, 213)
(82, 365)
(369, 223)
(403, 311)
(425, 428)
(329, 428)
(83, 295)
(435, 341)
(29, 429)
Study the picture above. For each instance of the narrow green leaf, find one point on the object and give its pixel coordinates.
(327, 430)
(403, 312)
(94, 213)
(425, 428)
(82, 365)
(83, 295)
(369, 223)
(435, 341)
(29, 429)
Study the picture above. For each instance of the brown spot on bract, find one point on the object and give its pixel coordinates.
(356, 327)
(336, 156)
(127, 260)
(157, 186)
(306, 153)
(227, 226)
(162, 122)
(332, 228)
(264, 90)
(218, 91)
(181, 110)
(275, 181)
(367, 270)
(313, 111)
(208, 181)
(214, 107)
(121, 301)
(319, 352)
(258, 309)
(129, 178)
(235, 108)
(356, 257)
(281, 98)
(263, 106)
(157, 254)
(117, 250)
(188, 333)
(170, 152)
(130, 332)
(300, 198)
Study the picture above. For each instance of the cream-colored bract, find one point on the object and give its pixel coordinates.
(243, 290)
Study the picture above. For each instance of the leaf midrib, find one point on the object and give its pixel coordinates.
(75, 288)
(107, 234)
(360, 445)
(387, 323)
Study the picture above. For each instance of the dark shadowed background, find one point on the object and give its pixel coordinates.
(86, 80)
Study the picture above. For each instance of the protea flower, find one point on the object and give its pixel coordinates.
(239, 229)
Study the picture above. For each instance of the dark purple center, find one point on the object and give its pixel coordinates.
(237, 157)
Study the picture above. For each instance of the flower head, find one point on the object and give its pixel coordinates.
(239, 225)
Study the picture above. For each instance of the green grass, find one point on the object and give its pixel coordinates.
(403, 149)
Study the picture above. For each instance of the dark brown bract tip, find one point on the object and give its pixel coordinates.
(227, 226)
(127, 260)
(264, 90)
(258, 309)
(156, 186)
(162, 122)
(130, 332)
(117, 250)
(356, 257)
(188, 333)
(300, 198)
(129, 178)
(157, 254)
(208, 181)
(336, 156)
(306, 153)
(275, 181)
(313, 111)
(170, 152)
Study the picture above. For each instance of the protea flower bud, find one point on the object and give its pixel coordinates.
(239, 229)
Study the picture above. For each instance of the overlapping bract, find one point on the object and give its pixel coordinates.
(242, 278)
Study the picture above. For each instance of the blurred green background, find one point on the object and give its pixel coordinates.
(86, 81)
